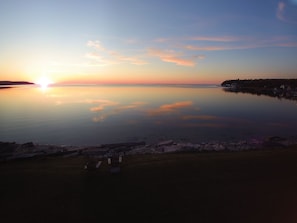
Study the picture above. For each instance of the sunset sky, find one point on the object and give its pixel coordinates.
(155, 41)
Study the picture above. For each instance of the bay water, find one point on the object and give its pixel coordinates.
(98, 114)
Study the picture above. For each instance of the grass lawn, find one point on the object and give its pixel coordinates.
(252, 186)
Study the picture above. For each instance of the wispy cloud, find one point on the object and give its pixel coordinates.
(288, 44)
(247, 43)
(102, 56)
(206, 48)
(215, 39)
(95, 44)
(129, 59)
(184, 51)
(171, 56)
(280, 11)
(284, 14)
(98, 60)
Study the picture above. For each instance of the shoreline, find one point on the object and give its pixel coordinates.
(14, 151)
(277, 88)
(205, 186)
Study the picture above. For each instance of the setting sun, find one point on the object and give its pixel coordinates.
(44, 82)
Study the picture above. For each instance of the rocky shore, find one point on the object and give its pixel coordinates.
(279, 88)
(13, 151)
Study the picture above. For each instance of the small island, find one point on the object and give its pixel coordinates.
(280, 88)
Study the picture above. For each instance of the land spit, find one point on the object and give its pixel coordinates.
(278, 88)
(13, 151)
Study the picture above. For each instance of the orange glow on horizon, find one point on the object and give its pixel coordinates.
(92, 81)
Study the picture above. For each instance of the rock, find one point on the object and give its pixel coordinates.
(7, 147)
(171, 149)
(165, 143)
(27, 145)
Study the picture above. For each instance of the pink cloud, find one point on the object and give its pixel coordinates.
(171, 56)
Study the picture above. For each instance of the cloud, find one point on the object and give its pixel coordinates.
(200, 57)
(103, 56)
(206, 48)
(99, 60)
(171, 56)
(132, 60)
(288, 44)
(280, 11)
(286, 14)
(169, 108)
(249, 43)
(95, 44)
(215, 38)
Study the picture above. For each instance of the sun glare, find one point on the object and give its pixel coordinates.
(44, 82)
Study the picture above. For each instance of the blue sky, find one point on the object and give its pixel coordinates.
(129, 41)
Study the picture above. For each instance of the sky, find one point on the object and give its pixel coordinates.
(139, 41)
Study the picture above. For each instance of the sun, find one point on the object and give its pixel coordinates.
(44, 82)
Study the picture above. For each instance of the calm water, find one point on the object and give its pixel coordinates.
(90, 115)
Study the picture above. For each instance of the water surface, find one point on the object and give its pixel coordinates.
(90, 115)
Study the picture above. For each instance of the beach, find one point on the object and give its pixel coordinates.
(14, 151)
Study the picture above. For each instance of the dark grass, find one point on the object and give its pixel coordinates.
(253, 186)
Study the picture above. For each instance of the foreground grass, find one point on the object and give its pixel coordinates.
(253, 186)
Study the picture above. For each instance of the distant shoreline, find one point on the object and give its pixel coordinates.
(15, 83)
(279, 88)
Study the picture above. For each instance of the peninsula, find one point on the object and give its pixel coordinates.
(280, 88)
(15, 82)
